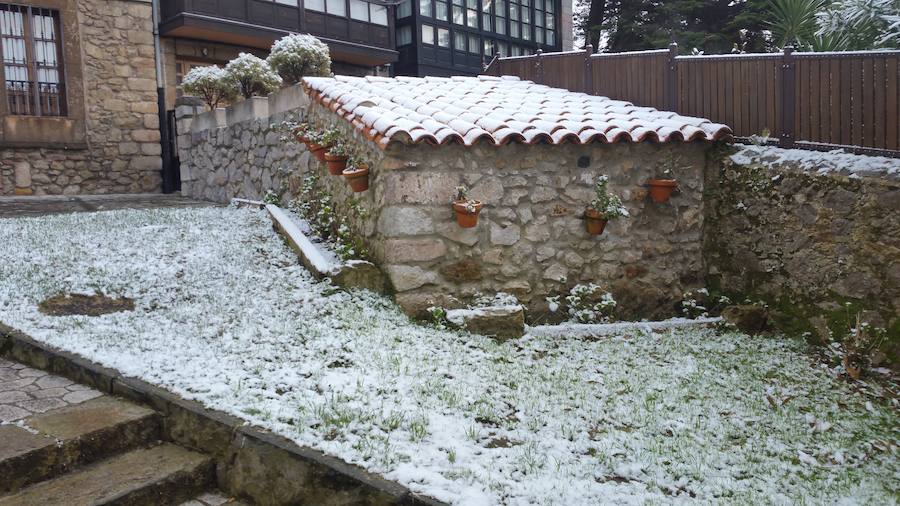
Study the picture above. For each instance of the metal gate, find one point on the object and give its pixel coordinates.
(171, 167)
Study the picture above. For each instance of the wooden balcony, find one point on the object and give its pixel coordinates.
(258, 23)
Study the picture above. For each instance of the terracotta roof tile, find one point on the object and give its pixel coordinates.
(496, 110)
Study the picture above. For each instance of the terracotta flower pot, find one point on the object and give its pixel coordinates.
(358, 178)
(594, 222)
(336, 164)
(301, 137)
(318, 150)
(661, 189)
(464, 217)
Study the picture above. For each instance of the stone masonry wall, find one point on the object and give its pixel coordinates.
(122, 152)
(530, 240)
(818, 247)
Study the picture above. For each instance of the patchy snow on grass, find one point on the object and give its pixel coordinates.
(822, 162)
(225, 315)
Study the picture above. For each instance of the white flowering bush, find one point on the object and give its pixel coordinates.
(252, 75)
(213, 84)
(298, 55)
(700, 303)
(609, 206)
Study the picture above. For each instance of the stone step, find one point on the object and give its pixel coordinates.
(160, 475)
(49, 444)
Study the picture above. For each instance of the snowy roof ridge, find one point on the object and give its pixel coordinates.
(496, 110)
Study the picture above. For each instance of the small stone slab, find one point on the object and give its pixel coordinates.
(501, 322)
(79, 419)
(18, 441)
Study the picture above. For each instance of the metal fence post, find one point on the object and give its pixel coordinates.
(588, 70)
(671, 78)
(788, 98)
(539, 67)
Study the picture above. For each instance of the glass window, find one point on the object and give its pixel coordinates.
(526, 15)
(513, 29)
(539, 19)
(34, 80)
(486, 22)
(474, 43)
(472, 18)
(404, 35)
(314, 5)
(459, 41)
(378, 14)
(404, 9)
(551, 38)
(287, 2)
(539, 35)
(428, 34)
(486, 5)
(500, 25)
(440, 10)
(526, 31)
(513, 12)
(489, 47)
(425, 8)
(459, 17)
(336, 7)
(500, 9)
(549, 4)
(550, 21)
(457, 2)
(443, 37)
(359, 10)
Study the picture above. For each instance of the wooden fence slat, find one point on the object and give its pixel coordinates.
(892, 97)
(878, 90)
(834, 99)
(868, 110)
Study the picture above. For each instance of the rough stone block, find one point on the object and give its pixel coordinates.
(405, 277)
(502, 322)
(413, 250)
(400, 221)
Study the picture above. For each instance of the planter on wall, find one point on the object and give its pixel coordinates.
(594, 222)
(661, 189)
(465, 217)
(318, 150)
(358, 178)
(336, 164)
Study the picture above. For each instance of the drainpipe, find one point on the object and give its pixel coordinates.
(168, 185)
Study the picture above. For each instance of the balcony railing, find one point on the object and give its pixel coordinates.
(24, 100)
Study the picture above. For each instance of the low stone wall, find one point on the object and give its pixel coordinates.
(817, 244)
(530, 240)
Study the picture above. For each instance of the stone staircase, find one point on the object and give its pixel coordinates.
(102, 451)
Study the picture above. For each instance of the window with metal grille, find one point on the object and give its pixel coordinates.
(32, 60)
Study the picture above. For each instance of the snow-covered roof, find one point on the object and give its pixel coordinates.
(496, 110)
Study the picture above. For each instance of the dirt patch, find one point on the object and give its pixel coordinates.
(85, 305)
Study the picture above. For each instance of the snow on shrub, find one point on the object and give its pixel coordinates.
(607, 204)
(213, 84)
(298, 55)
(252, 75)
(586, 304)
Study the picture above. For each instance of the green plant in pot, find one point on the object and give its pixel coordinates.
(466, 209)
(336, 158)
(357, 175)
(604, 207)
(301, 133)
(662, 186)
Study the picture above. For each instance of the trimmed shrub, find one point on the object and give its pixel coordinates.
(298, 55)
(252, 75)
(213, 84)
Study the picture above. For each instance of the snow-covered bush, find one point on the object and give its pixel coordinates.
(701, 304)
(586, 304)
(253, 75)
(213, 84)
(499, 299)
(609, 206)
(316, 205)
(298, 55)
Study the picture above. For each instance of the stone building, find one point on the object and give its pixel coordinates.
(530, 153)
(79, 110)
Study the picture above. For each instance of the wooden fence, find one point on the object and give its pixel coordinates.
(809, 100)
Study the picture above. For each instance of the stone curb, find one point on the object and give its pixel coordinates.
(250, 462)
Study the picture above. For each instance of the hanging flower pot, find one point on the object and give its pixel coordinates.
(467, 212)
(335, 163)
(661, 189)
(594, 221)
(358, 177)
(301, 133)
(318, 150)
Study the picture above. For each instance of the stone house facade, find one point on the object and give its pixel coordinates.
(93, 125)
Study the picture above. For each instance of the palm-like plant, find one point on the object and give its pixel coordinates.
(794, 21)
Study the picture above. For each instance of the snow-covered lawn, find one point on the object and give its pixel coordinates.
(225, 315)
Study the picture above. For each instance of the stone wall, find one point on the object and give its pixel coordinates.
(819, 246)
(530, 240)
(121, 150)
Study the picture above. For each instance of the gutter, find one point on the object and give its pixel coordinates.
(168, 184)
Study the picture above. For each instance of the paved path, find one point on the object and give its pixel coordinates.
(17, 207)
(25, 391)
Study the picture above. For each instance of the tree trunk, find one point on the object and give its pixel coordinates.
(594, 25)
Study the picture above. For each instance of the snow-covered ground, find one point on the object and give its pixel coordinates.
(226, 316)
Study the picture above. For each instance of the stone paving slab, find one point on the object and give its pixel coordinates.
(19, 207)
(25, 392)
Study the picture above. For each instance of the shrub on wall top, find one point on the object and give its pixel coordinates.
(252, 75)
(298, 55)
(213, 84)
